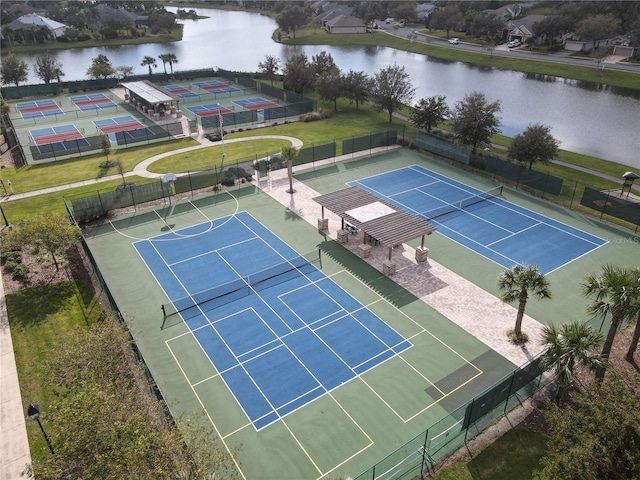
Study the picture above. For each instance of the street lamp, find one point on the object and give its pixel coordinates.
(33, 412)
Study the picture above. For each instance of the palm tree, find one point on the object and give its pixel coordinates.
(636, 331)
(613, 293)
(516, 284)
(567, 346)
(164, 59)
(150, 62)
(171, 58)
(288, 154)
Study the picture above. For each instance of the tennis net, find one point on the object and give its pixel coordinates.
(461, 204)
(243, 286)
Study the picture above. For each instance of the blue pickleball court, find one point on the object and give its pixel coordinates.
(493, 227)
(279, 332)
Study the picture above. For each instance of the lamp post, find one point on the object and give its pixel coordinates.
(33, 412)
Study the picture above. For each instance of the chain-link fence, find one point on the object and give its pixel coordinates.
(608, 205)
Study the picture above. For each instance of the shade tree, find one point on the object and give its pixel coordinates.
(269, 67)
(13, 70)
(534, 145)
(100, 67)
(391, 89)
(47, 68)
(357, 86)
(429, 112)
(475, 119)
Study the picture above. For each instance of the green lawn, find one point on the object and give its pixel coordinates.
(211, 157)
(515, 455)
(16, 210)
(63, 172)
(38, 318)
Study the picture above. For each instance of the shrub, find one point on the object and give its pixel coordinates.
(108, 164)
(313, 116)
(20, 271)
(11, 256)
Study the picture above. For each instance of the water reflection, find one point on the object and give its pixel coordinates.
(584, 116)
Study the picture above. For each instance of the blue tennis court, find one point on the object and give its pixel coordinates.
(279, 332)
(215, 86)
(92, 101)
(491, 226)
(39, 108)
(180, 91)
(257, 103)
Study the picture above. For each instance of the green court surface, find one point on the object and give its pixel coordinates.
(567, 304)
(350, 428)
(343, 432)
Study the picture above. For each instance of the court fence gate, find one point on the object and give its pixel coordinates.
(420, 455)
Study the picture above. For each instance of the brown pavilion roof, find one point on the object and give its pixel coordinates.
(391, 229)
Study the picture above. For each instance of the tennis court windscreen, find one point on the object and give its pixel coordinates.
(243, 286)
(462, 204)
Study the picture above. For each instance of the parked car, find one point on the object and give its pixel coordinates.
(513, 43)
(454, 41)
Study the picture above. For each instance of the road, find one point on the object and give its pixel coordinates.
(563, 56)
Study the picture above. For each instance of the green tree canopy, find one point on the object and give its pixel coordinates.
(269, 67)
(50, 233)
(47, 67)
(104, 423)
(535, 144)
(446, 18)
(597, 435)
(298, 74)
(475, 119)
(612, 292)
(291, 18)
(100, 67)
(568, 346)
(330, 86)
(392, 89)
(357, 86)
(13, 70)
(517, 283)
(429, 112)
(150, 62)
(597, 27)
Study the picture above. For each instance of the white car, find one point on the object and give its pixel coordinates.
(454, 41)
(513, 43)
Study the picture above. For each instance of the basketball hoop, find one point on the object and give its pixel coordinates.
(169, 178)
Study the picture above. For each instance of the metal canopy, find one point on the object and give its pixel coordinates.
(148, 92)
(390, 230)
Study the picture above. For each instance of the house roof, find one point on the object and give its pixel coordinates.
(107, 13)
(345, 21)
(32, 20)
(525, 24)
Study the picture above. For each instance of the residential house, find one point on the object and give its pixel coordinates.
(33, 21)
(103, 14)
(522, 29)
(345, 24)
